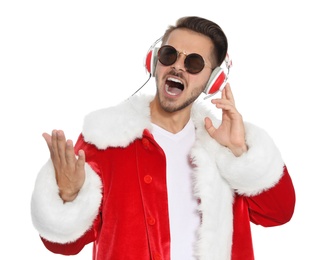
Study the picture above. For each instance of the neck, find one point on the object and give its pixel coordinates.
(173, 122)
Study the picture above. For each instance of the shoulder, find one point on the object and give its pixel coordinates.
(118, 125)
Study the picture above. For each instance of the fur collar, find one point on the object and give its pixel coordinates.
(119, 125)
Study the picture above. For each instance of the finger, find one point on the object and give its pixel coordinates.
(48, 141)
(54, 146)
(223, 95)
(229, 94)
(222, 102)
(225, 106)
(209, 126)
(70, 154)
(81, 160)
(60, 143)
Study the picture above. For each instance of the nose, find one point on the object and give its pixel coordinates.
(180, 62)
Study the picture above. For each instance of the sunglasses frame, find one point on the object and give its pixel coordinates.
(187, 61)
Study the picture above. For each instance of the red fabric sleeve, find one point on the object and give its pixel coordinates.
(276, 205)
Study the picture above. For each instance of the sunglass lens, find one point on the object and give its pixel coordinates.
(167, 55)
(194, 63)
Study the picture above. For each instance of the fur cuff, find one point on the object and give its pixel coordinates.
(258, 169)
(62, 222)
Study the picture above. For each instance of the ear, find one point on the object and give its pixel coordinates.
(151, 57)
(219, 77)
(151, 60)
(216, 80)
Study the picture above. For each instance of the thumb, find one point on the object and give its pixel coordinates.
(81, 159)
(48, 140)
(209, 126)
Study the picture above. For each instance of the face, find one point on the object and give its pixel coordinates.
(177, 88)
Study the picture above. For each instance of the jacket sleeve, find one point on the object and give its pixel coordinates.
(73, 248)
(274, 206)
(256, 170)
(65, 223)
(261, 178)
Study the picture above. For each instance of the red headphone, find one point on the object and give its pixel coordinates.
(217, 79)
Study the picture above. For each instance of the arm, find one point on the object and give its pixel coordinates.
(69, 168)
(274, 206)
(252, 165)
(260, 178)
(65, 227)
(73, 248)
(247, 157)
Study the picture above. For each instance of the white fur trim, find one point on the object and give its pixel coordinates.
(219, 174)
(61, 222)
(120, 125)
(259, 169)
(216, 198)
(215, 195)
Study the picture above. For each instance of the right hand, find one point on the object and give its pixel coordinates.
(69, 169)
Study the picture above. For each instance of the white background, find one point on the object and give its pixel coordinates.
(60, 60)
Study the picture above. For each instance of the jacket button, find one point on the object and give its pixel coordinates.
(157, 256)
(148, 179)
(151, 221)
(145, 142)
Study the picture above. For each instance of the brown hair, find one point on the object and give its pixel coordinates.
(205, 27)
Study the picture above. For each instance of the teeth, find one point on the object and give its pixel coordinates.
(175, 80)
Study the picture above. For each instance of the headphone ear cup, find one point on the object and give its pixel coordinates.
(151, 60)
(215, 81)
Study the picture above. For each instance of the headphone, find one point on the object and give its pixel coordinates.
(216, 81)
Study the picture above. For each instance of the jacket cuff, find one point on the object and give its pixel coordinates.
(61, 222)
(256, 170)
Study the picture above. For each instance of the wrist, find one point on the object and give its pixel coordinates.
(68, 196)
(238, 151)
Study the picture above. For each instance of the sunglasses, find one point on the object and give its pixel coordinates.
(168, 55)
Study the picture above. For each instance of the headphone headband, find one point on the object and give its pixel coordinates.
(216, 81)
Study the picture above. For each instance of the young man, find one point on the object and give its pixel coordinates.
(160, 177)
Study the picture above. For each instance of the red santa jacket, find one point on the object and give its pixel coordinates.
(123, 207)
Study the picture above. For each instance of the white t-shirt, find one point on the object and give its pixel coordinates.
(184, 219)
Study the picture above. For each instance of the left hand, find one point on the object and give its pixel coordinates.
(231, 132)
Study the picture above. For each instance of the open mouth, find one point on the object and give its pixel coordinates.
(174, 86)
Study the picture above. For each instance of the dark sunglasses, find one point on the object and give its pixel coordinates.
(168, 55)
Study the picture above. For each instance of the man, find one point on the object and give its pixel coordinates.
(160, 177)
